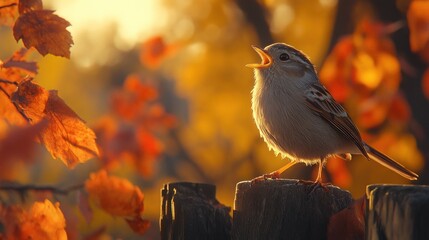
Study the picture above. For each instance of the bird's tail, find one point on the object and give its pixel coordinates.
(390, 163)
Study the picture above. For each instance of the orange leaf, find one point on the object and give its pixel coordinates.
(9, 112)
(29, 5)
(43, 220)
(18, 61)
(418, 23)
(45, 31)
(8, 12)
(30, 99)
(399, 109)
(149, 143)
(66, 136)
(372, 112)
(115, 195)
(20, 142)
(339, 172)
(154, 50)
(138, 225)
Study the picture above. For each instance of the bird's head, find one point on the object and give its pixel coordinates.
(283, 61)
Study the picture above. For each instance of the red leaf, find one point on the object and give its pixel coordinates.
(45, 31)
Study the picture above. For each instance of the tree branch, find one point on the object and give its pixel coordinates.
(21, 189)
(8, 82)
(8, 5)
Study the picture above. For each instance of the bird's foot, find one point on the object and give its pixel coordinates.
(315, 185)
(272, 176)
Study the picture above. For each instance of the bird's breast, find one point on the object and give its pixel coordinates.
(290, 128)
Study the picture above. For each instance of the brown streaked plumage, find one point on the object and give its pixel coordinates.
(299, 119)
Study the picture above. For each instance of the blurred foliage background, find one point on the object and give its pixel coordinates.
(186, 60)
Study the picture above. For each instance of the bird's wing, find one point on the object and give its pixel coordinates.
(322, 102)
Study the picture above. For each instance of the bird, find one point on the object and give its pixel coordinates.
(299, 119)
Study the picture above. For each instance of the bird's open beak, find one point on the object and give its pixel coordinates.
(266, 59)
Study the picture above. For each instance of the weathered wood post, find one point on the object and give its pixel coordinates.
(191, 211)
(397, 212)
(285, 209)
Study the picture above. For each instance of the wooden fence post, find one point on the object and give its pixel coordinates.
(285, 209)
(191, 211)
(397, 212)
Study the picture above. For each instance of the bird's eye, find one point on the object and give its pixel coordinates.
(284, 57)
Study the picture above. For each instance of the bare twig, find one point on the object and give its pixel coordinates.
(8, 82)
(8, 186)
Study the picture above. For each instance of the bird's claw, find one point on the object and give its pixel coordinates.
(315, 185)
(274, 175)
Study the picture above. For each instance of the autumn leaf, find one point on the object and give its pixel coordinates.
(43, 220)
(8, 12)
(399, 109)
(18, 60)
(418, 23)
(66, 135)
(348, 223)
(9, 112)
(154, 50)
(138, 224)
(25, 6)
(45, 31)
(132, 99)
(339, 172)
(16, 69)
(19, 142)
(115, 195)
(131, 133)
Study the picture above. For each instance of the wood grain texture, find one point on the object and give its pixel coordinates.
(285, 209)
(397, 212)
(191, 211)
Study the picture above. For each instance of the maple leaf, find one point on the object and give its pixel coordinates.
(29, 5)
(115, 195)
(66, 135)
(45, 31)
(43, 220)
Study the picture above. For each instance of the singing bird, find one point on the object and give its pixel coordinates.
(299, 119)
